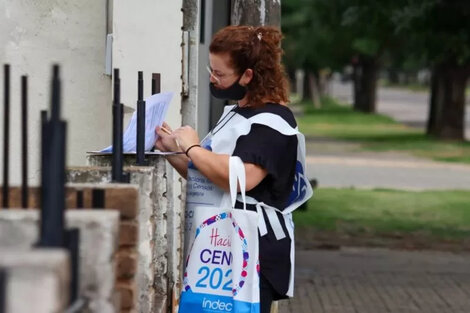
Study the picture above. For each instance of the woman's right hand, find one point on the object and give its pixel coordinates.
(165, 142)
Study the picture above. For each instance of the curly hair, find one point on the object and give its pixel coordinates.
(257, 48)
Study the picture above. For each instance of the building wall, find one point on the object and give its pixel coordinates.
(147, 37)
(217, 16)
(35, 34)
(203, 80)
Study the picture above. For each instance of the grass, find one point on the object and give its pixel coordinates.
(439, 214)
(376, 132)
(417, 87)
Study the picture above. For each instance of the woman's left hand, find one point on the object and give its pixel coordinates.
(186, 136)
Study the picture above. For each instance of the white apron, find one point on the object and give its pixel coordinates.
(201, 192)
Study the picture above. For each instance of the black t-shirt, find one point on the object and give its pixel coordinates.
(277, 153)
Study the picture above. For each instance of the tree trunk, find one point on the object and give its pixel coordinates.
(307, 91)
(299, 83)
(256, 12)
(434, 100)
(324, 82)
(291, 79)
(365, 84)
(447, 102)
(315, 90)
(393, 76)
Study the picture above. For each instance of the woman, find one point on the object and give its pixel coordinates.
(245, 66)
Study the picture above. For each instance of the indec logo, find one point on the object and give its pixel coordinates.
(217, 305)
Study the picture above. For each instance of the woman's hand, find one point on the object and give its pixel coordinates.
(166, 142)
(185, 136)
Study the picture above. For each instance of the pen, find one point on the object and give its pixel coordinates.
(169, 133)
(165, 130)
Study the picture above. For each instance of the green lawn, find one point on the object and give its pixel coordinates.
(437, 214)
(376, 132)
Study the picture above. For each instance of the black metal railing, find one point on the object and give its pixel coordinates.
(156, 84)
(6, 134)
(140, 153)
(3, 290)
(53, 144)
(24, 142)
(117, 173)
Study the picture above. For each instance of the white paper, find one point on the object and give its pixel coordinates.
(156, 107)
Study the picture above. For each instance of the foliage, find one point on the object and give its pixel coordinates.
(328, 33)
(438, 29)
(407, 34)
(314, 36)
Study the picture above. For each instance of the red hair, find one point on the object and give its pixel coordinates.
(257, 48)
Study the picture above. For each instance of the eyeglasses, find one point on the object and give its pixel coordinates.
(218, 77)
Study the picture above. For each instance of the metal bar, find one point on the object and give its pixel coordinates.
(3, 290)
(140, 86)
(73, 242)
(117, 162)
(44, 146)
(55, 92)
(156, 85)
(52, 233)
(79, 199)
(202, 22)
(97, 199)
(140, 121)
(6, 134)
(155, 88)
(24, 141)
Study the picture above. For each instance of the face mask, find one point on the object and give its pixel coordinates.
(234, 92)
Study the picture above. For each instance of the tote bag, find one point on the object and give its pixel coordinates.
(222, 266)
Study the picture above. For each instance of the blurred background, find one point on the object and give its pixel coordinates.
(381, 91)
(379, 88)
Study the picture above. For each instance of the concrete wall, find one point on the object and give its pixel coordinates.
(159, 263)
(203, 119)
(123, 198)
(37, 280)
(147, 37)
(33, 36)
(19, 229)
(217, 16)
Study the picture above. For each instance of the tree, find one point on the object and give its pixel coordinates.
(256, 13)
(372, 27)
(312, 41)
(440, 30)
(334, 33)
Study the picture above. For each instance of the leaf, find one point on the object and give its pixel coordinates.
(367, 46)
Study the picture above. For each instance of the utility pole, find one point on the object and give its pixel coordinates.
(190, 46)
(257, 13)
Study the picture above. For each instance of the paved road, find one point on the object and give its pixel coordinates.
(356, 280)
(403, 105)
(381, 170)
(343, 164)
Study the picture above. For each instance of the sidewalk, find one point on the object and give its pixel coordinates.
(380, 281)
(365, 280)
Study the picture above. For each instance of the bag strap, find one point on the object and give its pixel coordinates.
(237, 174)
(276, 122)
(272, 217)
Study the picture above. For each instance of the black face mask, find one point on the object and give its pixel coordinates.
(234, 92)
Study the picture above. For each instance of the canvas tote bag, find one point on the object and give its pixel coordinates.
(222, 266)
